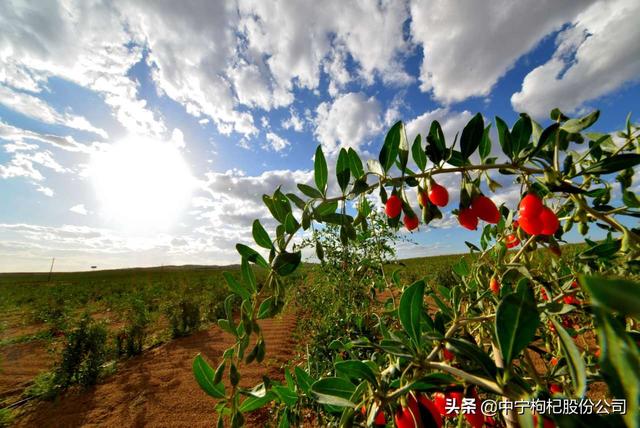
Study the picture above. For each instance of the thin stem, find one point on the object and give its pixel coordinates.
(394, 180)
(521, 252)
(477, 380)
(629, 141)
(448, 334)
(603, 217)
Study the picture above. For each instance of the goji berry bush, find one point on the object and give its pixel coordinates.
(439, 348)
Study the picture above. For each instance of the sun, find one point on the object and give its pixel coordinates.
(141, 183)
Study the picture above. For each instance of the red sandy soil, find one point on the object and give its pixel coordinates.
(19, 364)
(158, 387)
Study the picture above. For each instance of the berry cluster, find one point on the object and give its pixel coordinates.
(535, 218)
(420, 412)
(437, 195)
(481, 208)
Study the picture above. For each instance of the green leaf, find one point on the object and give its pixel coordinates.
(418, 153)
(266, 308)
(235, 286)
(252, 255)
(436, 136)
(360, 186)
(472, 352)
(343, 171)
(504, 136)
(605, 249)
(410, 310)
(248, 276)
(286, 395)
(630, 199)
(575, 364)
(516, 321)
(286, 263)
(321, 173)
(335, 391)
(261, 236)
(461, 268)
(226, 326)
(309, 191)
(485, 144)
(547, 136)
(336, 218)
(620, 362)
(253, 403)
(389, 150)
(319, 251)
(326, 208)
(304, 380)
(619, 295)
(355, 369)
(577, 125)
(291, 225)
(557, 115)
(278, 205)
(355, 164)
(613, 164)
(204, 376)
(521, 133)
(296, 200)
(456, 159)
(471, 136)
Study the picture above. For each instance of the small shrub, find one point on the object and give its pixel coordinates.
(130, 340)
(84, 353)
(52, 311)
(6, 418)
(43, 386)
(215, 309)
(445, 277)
(184, 317)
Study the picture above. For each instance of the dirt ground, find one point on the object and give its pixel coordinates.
(20, 363)
(158, 388)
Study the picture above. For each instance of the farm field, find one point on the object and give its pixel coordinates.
(36, 313)
(156, 386)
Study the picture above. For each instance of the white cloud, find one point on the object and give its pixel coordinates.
(47, 191)
(23, 164)
(297, 37)
(190, 49)
(85, 43)
(294, 122)
(228, 204)
(469, 45)
(177, 139)
(336, 69)
(79, 209)
(212, 58)
(68, 143)
(255, 89)
(276, 142)
(451, 123)
(596, 55)
(37, 108)
(349, 121)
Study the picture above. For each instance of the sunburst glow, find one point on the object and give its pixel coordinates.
(142, 183)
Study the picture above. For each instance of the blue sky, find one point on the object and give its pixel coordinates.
(144, 133)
